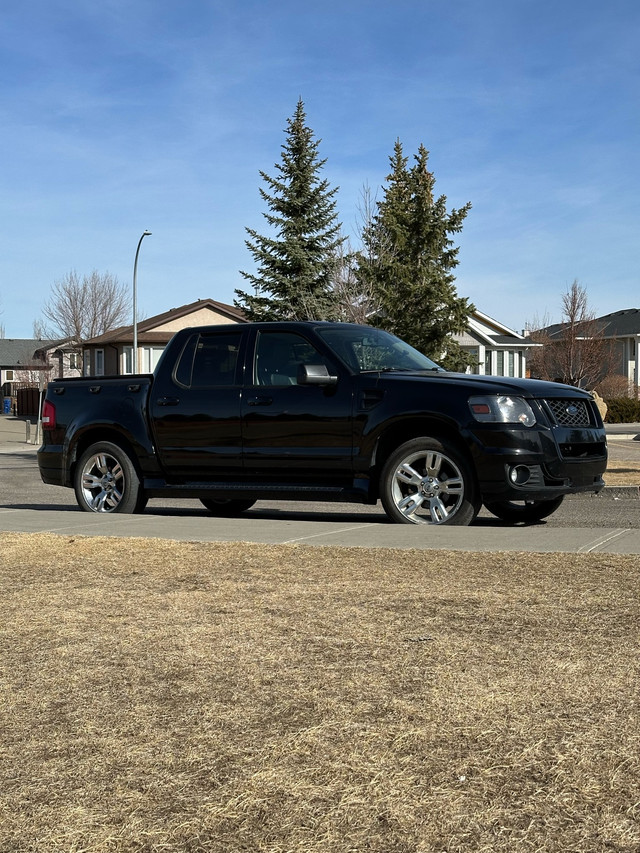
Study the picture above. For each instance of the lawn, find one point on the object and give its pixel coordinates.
(201, 698)
(625, 473)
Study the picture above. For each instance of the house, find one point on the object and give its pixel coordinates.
(496, 349)
(23, 365)
(112, 353)
(622, 328)
(64, 358)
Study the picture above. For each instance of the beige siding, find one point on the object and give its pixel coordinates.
(466, 340)
(202, 317)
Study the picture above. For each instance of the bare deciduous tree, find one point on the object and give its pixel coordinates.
(355, 297)
(355, 301)
(84, 307)
(33, 375)
(576, 351)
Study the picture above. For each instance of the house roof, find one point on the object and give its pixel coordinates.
(20, 352)
(493, 327)
(60, 344)
(619, 324)
(147, 328)
(489, 331)
(511, 341)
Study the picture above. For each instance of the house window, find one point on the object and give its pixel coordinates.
(487, 363)
(511, 355)
(75, 362)
(99, 362)
(8, 375)
(149, 357)
(500, 365)
(127, 360)
(473, 352)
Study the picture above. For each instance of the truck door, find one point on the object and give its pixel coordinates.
(195, 410)
(294, 433)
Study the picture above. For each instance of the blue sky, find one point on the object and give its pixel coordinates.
(126, 115)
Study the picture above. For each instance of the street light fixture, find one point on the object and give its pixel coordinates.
(135, 303)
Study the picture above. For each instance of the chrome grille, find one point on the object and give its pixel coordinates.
(569, 413)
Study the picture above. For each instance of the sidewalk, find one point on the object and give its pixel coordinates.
(622, 432)
(14, 434)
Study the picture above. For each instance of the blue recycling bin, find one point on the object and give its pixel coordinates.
(7, 406)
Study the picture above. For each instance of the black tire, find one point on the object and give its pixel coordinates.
(525, 512)
(428, 481)
(106, 480)
(141, 503)
(227, 507)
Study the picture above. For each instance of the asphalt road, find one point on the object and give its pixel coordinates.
(605, 523)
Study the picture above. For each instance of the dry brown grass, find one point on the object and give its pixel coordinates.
(622, 473)
(217, 697)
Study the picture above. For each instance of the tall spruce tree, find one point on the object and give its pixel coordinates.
(295, 266)
(408, 258)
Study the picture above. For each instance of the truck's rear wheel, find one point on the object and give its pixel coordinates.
(227, 507)
(428, 481)
(106, 480)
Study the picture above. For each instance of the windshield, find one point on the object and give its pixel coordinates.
(364, 348)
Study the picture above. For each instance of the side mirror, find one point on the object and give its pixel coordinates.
(315, 374)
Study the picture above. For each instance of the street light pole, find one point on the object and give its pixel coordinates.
(135, 303)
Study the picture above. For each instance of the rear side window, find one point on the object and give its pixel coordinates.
(209, 360)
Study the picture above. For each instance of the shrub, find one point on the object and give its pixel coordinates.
(615, 385)
(623, 410)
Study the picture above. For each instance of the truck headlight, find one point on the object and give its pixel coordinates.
(502, 410)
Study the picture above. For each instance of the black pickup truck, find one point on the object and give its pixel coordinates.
(320, 411)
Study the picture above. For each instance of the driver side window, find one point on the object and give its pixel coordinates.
(279, 356)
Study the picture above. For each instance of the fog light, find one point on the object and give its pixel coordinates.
(519, 475)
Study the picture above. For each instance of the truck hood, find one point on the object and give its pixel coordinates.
(534, 388)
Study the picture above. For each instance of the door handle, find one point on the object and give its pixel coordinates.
(168, 401)
(260, 401)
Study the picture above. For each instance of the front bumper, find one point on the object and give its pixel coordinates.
(539, 463)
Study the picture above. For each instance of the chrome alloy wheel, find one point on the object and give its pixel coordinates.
(427, 488)
(103, 482)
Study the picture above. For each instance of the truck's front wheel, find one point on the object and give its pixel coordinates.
(107, 481)
(427, 481)
(524, 512)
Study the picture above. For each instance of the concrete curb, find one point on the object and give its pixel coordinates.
(616, 493)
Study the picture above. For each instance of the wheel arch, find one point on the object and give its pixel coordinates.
(432, 427)
(97, 435)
